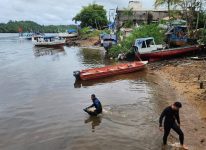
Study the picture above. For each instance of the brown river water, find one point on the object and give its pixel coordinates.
(41, 105)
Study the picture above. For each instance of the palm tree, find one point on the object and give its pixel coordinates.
(169, 3)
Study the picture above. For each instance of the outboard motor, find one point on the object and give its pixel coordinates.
(76, 74)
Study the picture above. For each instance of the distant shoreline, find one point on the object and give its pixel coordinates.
(29, 26)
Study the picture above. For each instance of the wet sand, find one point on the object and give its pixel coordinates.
(88, 42)
(178, 79)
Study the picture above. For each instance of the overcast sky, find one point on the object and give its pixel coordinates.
(53, 11)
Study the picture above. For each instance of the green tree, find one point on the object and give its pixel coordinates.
(128, 13)
(93, 15)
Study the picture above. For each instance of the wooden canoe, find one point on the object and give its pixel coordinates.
(106, 71)
(162, 54)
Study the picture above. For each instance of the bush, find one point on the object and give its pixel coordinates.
(202, 36)
(88, 32)
(144, 31)
(128, 24)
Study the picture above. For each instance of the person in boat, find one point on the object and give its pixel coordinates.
(172, 121)
(96, 104)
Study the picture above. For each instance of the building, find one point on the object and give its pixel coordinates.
(135, 5)
(138, 15)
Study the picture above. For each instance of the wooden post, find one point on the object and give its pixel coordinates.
(201, 85)
(198, 77)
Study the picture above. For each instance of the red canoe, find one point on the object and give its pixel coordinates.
(162, 54)
(106, 71)
(146, 49)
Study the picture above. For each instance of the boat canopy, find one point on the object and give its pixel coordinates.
(177, 34)
(140, 41)
(179, 22)
(49, 37)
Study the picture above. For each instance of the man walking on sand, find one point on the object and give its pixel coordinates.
(172, 121)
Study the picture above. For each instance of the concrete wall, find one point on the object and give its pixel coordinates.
(140, 16)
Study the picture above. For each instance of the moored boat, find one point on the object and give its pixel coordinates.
(48, 41)
(26, 35)
(69, 34)
(145, 48)
(109, 40)
(106, 71)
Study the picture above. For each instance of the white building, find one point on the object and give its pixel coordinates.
(135, 5)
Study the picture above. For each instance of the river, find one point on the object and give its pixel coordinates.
(41, 105)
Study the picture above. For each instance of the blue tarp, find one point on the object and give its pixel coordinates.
(72, 31)
(49, 37)
(111, 25)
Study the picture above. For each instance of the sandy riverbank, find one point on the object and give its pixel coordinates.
(179, 80)
(92, 41)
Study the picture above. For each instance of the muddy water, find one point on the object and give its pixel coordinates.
(41, 104)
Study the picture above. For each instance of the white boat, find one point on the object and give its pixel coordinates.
(68, 34)
(29, 35)
(26, 35)
(48, 41)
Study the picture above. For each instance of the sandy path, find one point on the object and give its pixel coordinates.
(179, 82)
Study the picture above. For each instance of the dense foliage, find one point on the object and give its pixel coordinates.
(202, 36)
(87, 32)
(29, 26)
(128, 13)
(125, 46)
(93, 15)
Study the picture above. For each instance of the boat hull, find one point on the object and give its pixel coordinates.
(107, 71)
(67, 35)
(49, 45)
(162, 54)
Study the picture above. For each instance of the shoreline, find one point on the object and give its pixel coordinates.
(178, 78)
(91, 41)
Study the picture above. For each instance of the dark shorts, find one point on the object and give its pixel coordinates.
(94, 113)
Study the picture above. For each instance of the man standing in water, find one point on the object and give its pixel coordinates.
(97, 104)
(172, 121)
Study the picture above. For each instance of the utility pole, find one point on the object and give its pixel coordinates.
(111, 14)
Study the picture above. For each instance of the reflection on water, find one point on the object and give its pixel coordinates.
(94, 120)
(42, 51)
(93, 57)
